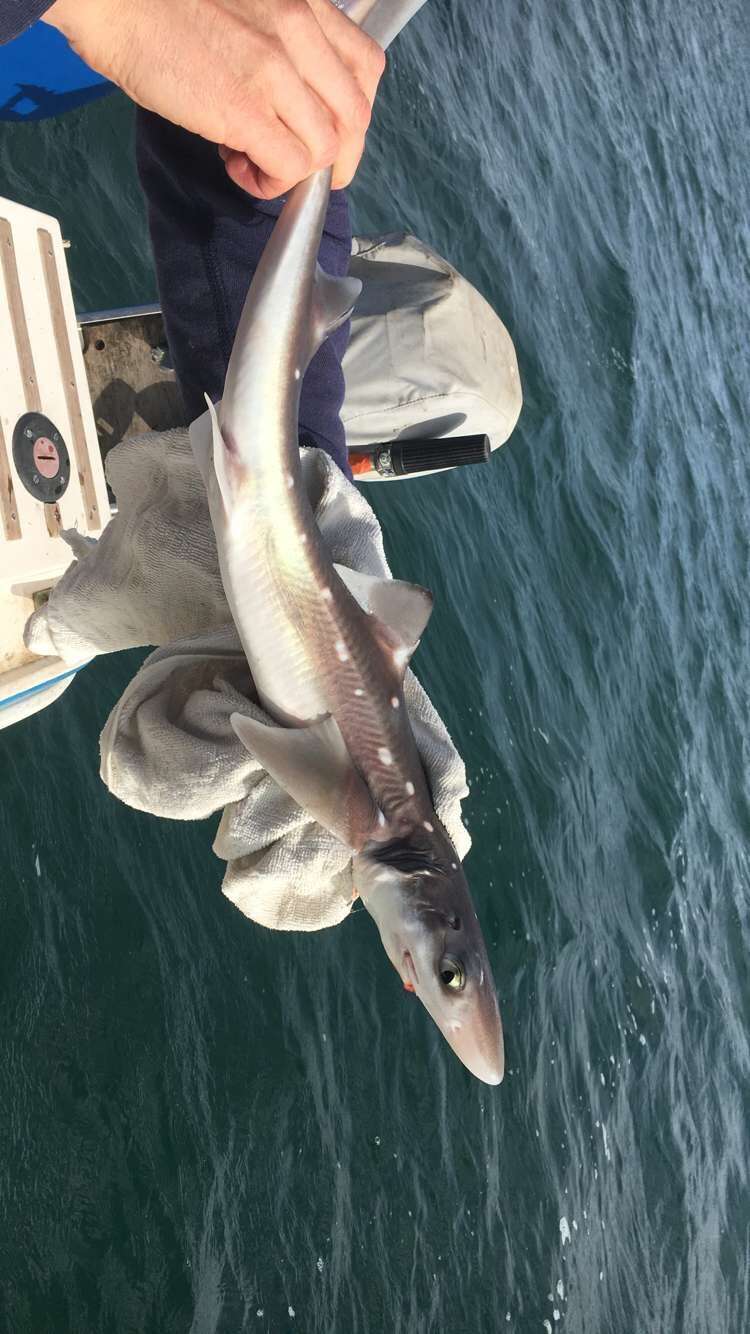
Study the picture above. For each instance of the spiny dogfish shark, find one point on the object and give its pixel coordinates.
(328, 647)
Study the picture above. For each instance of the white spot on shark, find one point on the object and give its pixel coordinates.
(289, 481)
(395, 702)
(359, 692)
(454, 866)
(326, 594)
(401, 657)
(381, 819)
(342, 652)
(409, 789)
(303, 538)
(384, 755)
(296, 373)
(429, 827)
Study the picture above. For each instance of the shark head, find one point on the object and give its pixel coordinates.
(417, 893)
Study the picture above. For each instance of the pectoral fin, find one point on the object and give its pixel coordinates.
(313, 765)
(223, 460)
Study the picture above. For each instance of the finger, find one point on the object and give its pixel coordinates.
(271, 147)
(349, 95)
(329, 74)
(248, 176)
(359, 52)
(345, 166)
(303, 111)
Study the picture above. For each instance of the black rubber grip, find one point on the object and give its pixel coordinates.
(408, 456)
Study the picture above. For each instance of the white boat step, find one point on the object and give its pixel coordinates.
(51, 475)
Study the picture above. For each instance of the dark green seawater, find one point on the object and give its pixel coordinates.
(206, 1127)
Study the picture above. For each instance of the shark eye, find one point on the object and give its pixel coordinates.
(452, 974)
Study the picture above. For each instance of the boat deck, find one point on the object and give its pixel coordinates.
(131, 383)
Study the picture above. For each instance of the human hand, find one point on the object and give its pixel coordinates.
(284, 86)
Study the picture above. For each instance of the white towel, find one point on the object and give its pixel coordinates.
(168, 747)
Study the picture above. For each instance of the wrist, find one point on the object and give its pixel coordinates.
(61, 15)
(79, 20)
(96, 31)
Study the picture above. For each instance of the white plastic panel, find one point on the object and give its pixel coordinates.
(41, 370)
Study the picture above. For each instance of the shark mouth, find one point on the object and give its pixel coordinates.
(408, 972)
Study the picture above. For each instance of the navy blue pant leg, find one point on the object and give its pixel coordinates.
(207, 238)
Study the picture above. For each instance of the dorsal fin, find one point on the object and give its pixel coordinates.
(332, 303)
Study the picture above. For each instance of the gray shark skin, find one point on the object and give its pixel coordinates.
(328, 648)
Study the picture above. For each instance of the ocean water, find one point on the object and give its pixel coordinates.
(211, 1128)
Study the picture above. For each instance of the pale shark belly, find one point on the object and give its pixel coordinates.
(271, 606)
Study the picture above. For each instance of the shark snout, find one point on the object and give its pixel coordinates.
(479, 1047)
(473, 1029)
(470, 1024)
